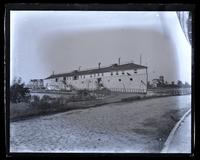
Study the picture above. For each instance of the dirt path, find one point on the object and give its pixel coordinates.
(138, 127)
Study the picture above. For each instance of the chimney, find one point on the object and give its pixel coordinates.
(99, 64)
(52, 72)
(119, 61)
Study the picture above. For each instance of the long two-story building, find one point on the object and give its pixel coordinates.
(127, 77)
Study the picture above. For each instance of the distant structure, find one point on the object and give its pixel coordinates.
(118, 77)
(161, 83)
(158, 82)
(36, 84)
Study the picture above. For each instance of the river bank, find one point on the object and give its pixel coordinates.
(23, 111)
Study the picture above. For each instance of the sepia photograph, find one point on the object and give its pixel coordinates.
(100, 81)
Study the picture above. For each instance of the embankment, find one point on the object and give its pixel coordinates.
(22, 111)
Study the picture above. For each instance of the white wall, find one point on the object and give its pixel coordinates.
(109, 81)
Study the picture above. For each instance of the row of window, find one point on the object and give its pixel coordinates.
(131, 79)
(98, 74)
(93, 75)
(122, 73)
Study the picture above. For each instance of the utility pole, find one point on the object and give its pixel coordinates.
(140, 59)
(99, 64)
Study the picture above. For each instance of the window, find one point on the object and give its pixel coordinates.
(98, 74)
(82, 82)
(120, 80)
(90, 75)
(64, 78)
(122, 72)
(116, 73)
(102, 74)
(131, 79)
(83, 76)
(135, 71)
(75, 77)
(111, 73)
(94, 75)
(56, 79)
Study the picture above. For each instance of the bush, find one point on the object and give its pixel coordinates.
(46, 99)
(60, 101)
(18, 92)
(35, 100)
(83, 93)
(44, 102)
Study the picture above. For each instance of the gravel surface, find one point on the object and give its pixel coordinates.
(137, 127)
(181, 143)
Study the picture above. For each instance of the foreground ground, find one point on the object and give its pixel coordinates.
(140, 126)
(181, 143)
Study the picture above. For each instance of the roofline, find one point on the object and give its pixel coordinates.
(103, 70)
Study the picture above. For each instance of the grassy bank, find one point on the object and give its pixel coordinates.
(48, 105)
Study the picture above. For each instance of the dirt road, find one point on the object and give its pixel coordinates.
(137, 127)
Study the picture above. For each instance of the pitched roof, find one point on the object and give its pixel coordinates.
(114, 67)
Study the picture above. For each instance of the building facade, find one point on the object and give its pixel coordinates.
(128, 77)
(36, 84)
(158, 82)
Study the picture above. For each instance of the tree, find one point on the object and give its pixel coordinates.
(187, 85)
(18, 91)
(149, 84)
(180, 84)
(173, 84)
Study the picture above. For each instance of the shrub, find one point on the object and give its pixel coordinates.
(18, 92)
(36, 98)
(46, 98)
(60, 100)
(83, 93)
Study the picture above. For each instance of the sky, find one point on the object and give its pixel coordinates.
(62, 41)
